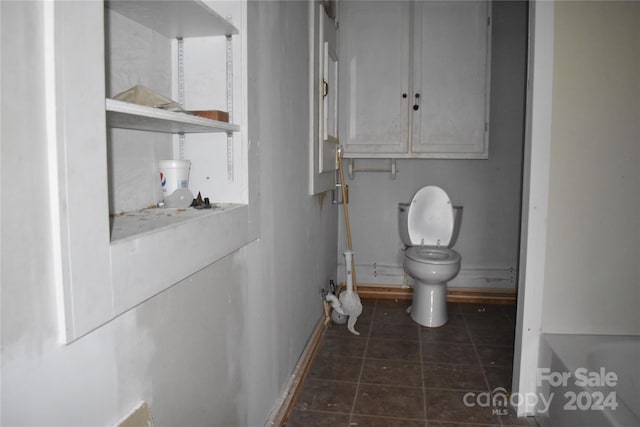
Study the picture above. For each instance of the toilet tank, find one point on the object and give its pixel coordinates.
(403, 230)
(457, 222)
(403, 218)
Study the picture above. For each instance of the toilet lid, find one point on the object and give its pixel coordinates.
(430, 217)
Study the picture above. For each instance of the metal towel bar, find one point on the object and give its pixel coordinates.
(392, 169)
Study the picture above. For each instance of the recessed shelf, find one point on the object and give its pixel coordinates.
(175, 19)
(135, 224)
(126, 115)
(156, 248)
(114, 264)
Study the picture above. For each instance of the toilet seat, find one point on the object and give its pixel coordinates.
(430, 218)
(433, 255)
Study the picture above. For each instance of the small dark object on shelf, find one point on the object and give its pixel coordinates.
(198, 203)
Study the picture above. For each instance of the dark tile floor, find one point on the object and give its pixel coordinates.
(397, 373)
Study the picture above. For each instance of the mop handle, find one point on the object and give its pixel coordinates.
(347, 224)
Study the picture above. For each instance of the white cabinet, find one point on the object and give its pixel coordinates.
(374, 53)
(451, 75)
(416, 79)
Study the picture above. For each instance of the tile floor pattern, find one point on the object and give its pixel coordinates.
(397, 373)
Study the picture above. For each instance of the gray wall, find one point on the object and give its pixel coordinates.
(489, 190)
(592, 269)
(215, 349)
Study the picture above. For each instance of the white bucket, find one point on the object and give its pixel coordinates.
(174, 174)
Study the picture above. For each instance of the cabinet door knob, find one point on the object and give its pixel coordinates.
(416, 107)
(404, 95)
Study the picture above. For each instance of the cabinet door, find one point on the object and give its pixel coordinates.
(451, 69)
(329, 107)
(323, 109)
(374, 75)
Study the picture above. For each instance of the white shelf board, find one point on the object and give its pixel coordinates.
(173, 19)
(135, 224)
(126, 115)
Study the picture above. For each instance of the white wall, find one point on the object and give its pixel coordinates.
(298, 231)
(215, 349)
(489, 190)
(592, 274)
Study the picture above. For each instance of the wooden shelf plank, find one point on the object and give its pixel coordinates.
(175, 18)
(125, 115)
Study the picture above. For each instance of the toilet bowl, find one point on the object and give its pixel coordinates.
(429, 227)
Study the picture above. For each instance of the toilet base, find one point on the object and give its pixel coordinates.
(429, 307)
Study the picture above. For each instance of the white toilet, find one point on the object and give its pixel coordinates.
(429, 227)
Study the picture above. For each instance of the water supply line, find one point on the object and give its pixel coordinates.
(347, 225)
(335, 303)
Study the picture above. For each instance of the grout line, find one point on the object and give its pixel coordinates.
(364, 356)
(424, 392)
(384, 417)
(453, 389)
(416, 387)
(475, 350)
(320, 411)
